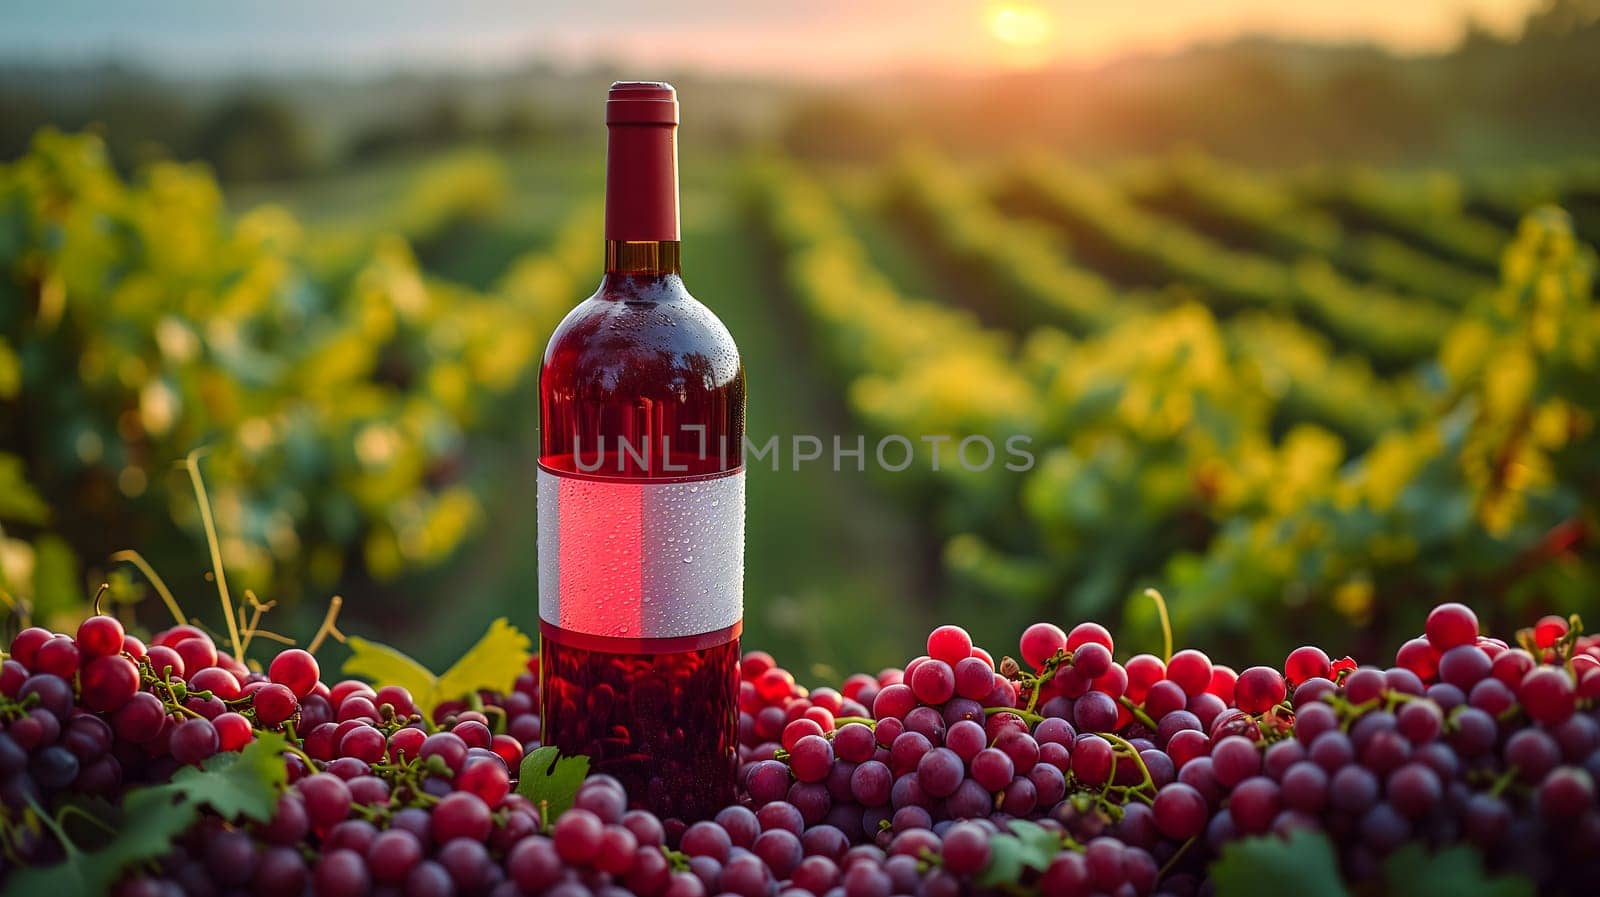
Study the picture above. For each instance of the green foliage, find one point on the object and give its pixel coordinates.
(1427, 211)
(1484, 499)
(1266, 215)
(1389, 329)
(338, 397)
(1275, 488)
(550, 780)
(1025, 845)
(1020, 266)
(493, 664)
(1033, 275)
(1259, 867)
(1457, 872)
(234, 786)
(463, 188)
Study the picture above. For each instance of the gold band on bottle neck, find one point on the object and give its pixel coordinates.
(642, 257)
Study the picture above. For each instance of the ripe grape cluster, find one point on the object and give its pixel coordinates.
(1464, 740)
(1130, 776)
(386, 796)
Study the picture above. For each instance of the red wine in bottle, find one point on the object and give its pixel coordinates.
(641, 498)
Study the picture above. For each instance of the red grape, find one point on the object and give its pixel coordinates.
(109, 682)
(25, 647)
(274, 704)
(1307, 662)
(1258, 689)
(1451, 625)
(194, 740)
(1087, 632)
(1040, 642)
(1548, 695)
(233, 731)
(295, 669)
(1548, 631)
(100, 635)
(58, 656)
(197, 651)
(950, 644)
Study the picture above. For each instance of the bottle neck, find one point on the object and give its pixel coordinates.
(642, 258)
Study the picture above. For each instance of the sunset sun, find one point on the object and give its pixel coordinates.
(1019, 26)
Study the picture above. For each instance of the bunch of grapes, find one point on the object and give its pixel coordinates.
(1465, 740)
(1126, 779)
(385, 796)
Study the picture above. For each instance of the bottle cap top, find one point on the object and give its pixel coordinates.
(642, 103)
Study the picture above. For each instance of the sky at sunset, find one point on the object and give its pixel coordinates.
(821, 39)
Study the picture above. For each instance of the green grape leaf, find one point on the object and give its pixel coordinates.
(233, 785)
(1456, 872)
(18, 499)
(1258, 867)
(1028, 846)
(551, 781)
(160, 815)
(1005, 862)
(377, 662)
(243, 784)
(1039, 844)
(494, 663)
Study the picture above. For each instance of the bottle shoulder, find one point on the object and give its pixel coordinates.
(622, 331)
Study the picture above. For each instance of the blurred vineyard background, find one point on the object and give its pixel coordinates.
(1304, 335)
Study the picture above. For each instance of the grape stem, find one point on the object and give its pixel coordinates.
(1144, 771)
(173, 702)
(97, 822)
(1166, 623)
(328, 628)
(1176, 856)
(678, 862)
(192, 461)
(253, 628)
(304, 757)
(10, 709)
(1027, 715)
(1504, 781)
(1138, 712)
(160, 585)
(45, 819)
(1035, 683)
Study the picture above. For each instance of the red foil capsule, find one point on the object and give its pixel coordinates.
(642, 162)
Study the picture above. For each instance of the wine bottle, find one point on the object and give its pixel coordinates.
(641, 498)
